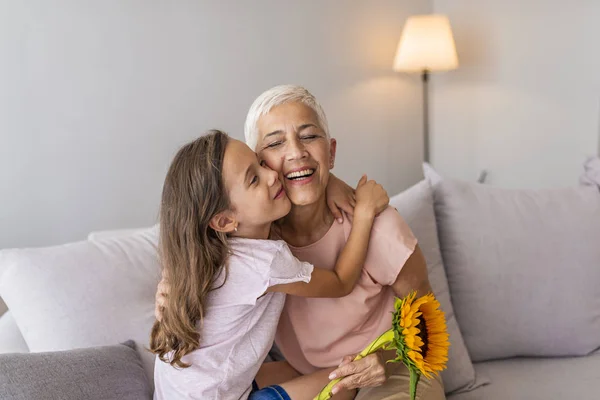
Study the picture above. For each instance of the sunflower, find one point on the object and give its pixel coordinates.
(422, 326)
(419, 336)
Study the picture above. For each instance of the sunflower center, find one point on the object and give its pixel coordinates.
(423, 335)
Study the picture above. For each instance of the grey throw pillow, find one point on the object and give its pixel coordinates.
(415, 205)
(523, 268)
(98, 373)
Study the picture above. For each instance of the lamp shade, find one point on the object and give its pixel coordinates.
(426, 44)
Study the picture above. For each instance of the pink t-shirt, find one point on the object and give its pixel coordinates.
(317, 333)
(239, 325)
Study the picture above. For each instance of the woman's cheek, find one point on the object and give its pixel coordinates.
(274, 163)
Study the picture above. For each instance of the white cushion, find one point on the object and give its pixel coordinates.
(84, 294)
(95, 235)
(11, 339)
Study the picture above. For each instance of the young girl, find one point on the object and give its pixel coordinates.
(228, 280)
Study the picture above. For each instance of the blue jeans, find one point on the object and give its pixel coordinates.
(274, 392)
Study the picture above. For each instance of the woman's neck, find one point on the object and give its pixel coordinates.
(305, 225)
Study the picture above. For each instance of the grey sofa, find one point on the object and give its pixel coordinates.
(498, 302)
(538, 378)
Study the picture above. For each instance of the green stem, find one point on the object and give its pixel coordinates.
(414, 380)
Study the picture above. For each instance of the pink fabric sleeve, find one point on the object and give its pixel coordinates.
(392, 243)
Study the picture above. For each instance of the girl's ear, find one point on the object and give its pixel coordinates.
(224, 222)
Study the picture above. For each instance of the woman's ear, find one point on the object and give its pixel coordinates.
(224, 222)
(332, 149)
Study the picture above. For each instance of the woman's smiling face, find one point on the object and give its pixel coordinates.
(292, 142)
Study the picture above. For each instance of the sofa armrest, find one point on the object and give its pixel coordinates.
(11, 339)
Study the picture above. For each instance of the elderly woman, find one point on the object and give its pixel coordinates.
(288, 130)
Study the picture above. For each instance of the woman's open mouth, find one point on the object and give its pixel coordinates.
(300, 175)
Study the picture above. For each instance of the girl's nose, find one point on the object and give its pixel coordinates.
(272, 177)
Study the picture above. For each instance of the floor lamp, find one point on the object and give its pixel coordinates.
(426, 45)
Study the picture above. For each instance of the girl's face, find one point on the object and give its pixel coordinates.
(257, 196)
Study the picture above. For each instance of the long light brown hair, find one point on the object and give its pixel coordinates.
(193, 255)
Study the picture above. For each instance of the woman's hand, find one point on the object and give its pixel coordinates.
(366, 372)
(340, 197)
(160, 300)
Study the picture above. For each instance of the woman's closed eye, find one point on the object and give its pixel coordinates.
(274, 144)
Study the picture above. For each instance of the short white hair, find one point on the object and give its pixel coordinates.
(277, 96)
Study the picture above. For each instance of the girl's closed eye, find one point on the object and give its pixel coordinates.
(254, 180)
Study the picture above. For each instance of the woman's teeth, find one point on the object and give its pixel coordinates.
(300, 174)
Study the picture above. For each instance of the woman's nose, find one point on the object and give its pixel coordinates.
(296, 150)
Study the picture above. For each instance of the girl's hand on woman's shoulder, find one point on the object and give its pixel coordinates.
(342, 197)
(371, 198)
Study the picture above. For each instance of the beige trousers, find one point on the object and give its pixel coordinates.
(397, 385)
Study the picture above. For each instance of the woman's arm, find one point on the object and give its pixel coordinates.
(413, 276)
(371, 370)
(371, 199)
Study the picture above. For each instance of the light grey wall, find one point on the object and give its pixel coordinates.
(96, 96)
(525, 102)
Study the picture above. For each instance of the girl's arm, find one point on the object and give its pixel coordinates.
(371, 199)
(298, 387)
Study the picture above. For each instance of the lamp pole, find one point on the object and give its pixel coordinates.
(425, 79)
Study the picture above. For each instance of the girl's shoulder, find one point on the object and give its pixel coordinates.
(253, 266)
(256, 247)
(271, 259)
(255, 254)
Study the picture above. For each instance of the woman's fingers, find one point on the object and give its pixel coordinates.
(366, 372)
(158, 311)
(160, 299)
(346, 360)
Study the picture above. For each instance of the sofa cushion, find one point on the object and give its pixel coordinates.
(11, 339)
(591, 172)
(523, 268)
(416, 207)
(114, 233)
(3, 307)
(84, 294)
(538, 379)
(101, 373)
